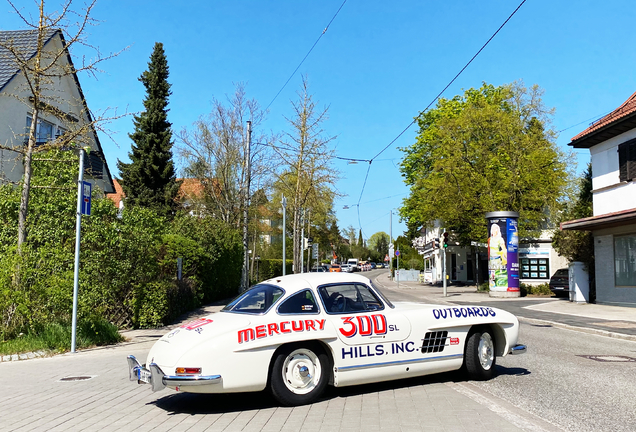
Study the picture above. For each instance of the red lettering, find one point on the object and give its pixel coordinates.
(379, 324)
(283, 327)
(245, 335)
(272, 328)
(346, 322)
(310, 324)
(260, 332)
(321, 323)
(364, 324)
(298, 328)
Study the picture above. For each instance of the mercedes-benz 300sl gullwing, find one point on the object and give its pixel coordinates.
(297, 334)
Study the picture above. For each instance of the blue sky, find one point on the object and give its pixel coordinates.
(378, 65)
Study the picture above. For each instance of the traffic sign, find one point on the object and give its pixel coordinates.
(386, 258)
(397, 253)
(86, 198)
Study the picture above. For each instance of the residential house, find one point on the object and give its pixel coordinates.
(612, 145)
(63, 96)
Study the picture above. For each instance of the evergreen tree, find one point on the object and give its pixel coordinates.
(149, 179)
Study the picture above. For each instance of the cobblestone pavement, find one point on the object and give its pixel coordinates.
(99, 397)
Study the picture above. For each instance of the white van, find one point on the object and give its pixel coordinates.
(354, 263)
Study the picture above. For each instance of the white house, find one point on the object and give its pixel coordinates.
(63, 96)
(612, 144)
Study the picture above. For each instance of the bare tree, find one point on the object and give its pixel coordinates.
(307, 175)
(42, 57)
(214, 152)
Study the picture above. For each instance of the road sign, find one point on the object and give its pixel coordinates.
(314, 251)
(390, 245)
(386, 258)
(397, 253)
(86, 199)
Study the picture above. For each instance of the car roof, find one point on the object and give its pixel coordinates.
(297, 282)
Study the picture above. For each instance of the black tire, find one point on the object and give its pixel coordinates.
(289, 384)
(480, 356)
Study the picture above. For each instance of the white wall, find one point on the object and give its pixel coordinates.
(610, 195)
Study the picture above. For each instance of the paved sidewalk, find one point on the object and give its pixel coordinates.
(35, 399)
(612, 321)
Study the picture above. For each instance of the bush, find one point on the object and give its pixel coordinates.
(526, 289)
(270, 268)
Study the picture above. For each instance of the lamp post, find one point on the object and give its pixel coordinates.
(245, 280)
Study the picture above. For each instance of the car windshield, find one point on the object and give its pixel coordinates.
(386, 300)
(257, 300)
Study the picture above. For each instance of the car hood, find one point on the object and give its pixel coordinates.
(167, 350)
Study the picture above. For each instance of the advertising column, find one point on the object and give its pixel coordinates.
(503, 254)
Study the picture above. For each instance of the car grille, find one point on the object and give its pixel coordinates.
(434, 341)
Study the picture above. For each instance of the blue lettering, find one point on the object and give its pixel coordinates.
(443, 313)
(412, 346)
(398, 348)
(369, 353)
(436, 313)
(492, 312)
(484, 311)
(345, 353)
(361, 353)
(379, 350)
(470, 312)
(477, 311)
(458, 313)
(464, 313)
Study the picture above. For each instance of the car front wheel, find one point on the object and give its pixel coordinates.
(480, 357)
(299, 374)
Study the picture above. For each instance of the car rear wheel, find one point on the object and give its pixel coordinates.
(299, 374)
(480, 356)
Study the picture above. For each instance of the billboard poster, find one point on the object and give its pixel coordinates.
(503, 254)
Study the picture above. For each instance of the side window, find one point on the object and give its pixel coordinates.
(257, 300)
(349, 298)
(303, 302)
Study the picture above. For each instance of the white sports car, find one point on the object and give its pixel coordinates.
(296, 334)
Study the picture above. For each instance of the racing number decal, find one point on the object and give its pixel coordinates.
(365, 324)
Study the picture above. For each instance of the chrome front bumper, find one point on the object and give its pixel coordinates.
(518, 349)
(158, 380)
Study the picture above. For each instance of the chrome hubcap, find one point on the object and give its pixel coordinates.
(301, 371)
(486, 351)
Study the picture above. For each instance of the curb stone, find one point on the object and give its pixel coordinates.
(23, 356)
(588, 330)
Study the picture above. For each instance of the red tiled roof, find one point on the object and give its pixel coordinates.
(628, 107)
(190, 187)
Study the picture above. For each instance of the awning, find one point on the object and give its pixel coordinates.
(608, 220)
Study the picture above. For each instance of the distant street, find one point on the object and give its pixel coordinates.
(554, 380)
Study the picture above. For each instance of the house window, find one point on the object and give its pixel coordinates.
(43, 131)
(625, 260)
(627, 160)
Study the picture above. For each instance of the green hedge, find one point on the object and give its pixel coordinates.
(270, 268)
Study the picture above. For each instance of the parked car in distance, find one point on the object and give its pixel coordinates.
(347, 268)
(335, 268)
(373, 266)
(319, 269)
(296, 334)
(560, 282)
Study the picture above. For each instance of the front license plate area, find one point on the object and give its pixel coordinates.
(144, 375)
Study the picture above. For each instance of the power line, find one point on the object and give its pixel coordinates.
(307, 55)
(435, 99)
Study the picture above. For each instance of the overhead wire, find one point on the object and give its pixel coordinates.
(433, 101)
(306, 55)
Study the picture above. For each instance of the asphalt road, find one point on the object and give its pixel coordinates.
(574, 380)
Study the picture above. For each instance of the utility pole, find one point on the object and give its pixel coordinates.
(245, 280)
(284, 202)
(302, 244)
(308, 236)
